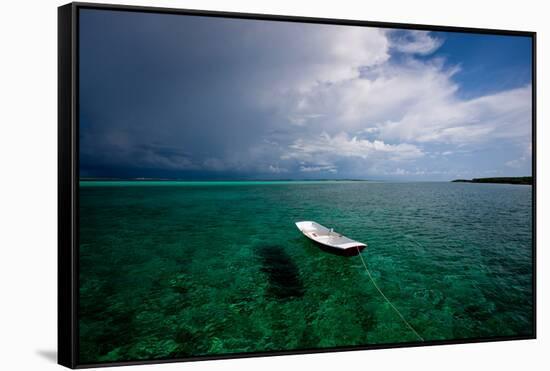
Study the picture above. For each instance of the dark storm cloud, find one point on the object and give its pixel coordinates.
(153, 80)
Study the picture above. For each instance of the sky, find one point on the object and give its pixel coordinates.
(198, 98)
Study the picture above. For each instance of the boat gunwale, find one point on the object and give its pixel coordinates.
(348, 246)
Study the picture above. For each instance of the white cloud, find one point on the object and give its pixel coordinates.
(421, 172)
(314, 55)
(276, 169)
(318, 168)
(347, 84)
(303, 119)
(505, 115)
(341, 145)
(387, 94)
(415, 102)
(514, 163)
(521, 161)
(336, 53)
(416, 42)
(370, 130)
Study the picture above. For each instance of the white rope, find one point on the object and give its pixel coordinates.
(388, 300)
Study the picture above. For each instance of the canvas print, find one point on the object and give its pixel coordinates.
(251, 186)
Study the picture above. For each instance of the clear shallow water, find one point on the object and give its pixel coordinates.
(176, 269)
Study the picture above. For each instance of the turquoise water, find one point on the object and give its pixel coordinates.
(178, 269)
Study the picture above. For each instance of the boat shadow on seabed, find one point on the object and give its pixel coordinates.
(282, 273)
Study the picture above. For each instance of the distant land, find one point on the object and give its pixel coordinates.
(528, 180)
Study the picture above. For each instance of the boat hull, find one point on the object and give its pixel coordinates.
(352, 251)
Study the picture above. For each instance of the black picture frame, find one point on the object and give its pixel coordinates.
(68, 176)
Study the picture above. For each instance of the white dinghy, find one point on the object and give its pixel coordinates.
(329, 240)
